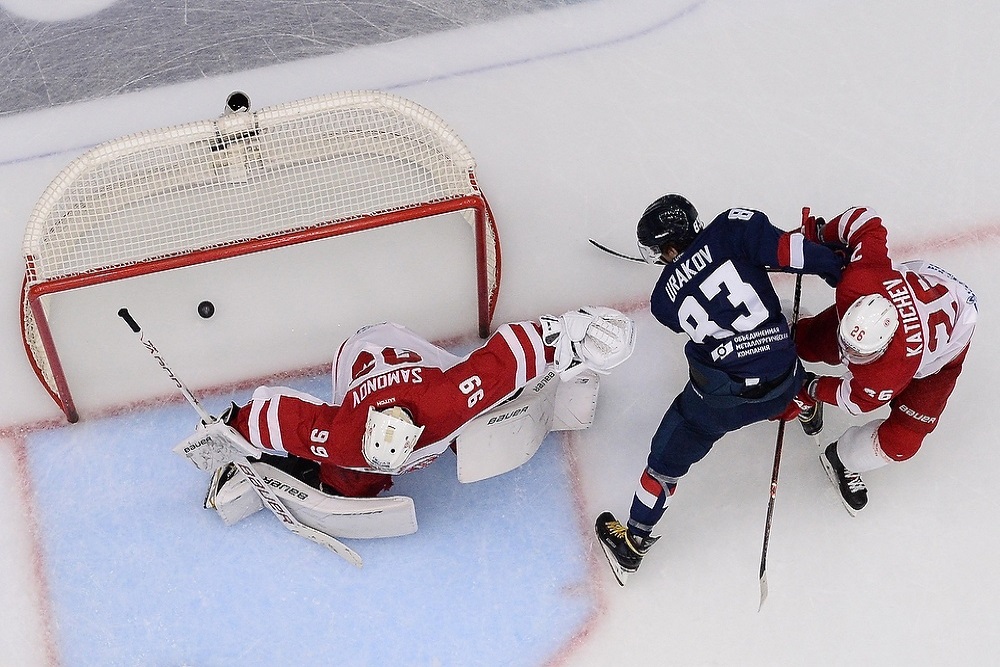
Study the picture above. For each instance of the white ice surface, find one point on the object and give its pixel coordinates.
(578, 118)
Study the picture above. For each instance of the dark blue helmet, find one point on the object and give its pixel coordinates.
(670, 221)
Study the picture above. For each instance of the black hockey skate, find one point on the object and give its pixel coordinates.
(812, 419)
(852, 488)
(222, 476)
(624, 551)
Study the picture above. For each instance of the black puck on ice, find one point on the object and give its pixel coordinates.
(206, 309)
(237, 101)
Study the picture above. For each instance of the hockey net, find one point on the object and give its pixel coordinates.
(246, 182)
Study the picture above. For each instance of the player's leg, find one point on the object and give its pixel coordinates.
(915, 413)
(677, 444)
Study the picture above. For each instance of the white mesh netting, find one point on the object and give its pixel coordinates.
(243, 177)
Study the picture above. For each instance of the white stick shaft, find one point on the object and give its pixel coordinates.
(267, 496)
(153, 350)
(278, 508)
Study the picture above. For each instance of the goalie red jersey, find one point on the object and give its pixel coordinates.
(387, 365)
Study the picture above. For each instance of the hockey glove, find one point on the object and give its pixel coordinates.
(812, 229)
(592, 337)
(804, 402)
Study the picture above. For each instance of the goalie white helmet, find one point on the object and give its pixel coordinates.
(867, 329)
(390, 436)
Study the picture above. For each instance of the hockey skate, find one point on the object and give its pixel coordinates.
(231, 495)
(220, 477)
(623, 551)
(852, 488)
(812, 419)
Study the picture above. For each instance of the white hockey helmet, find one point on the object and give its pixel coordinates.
(390, 436)
(867, 328)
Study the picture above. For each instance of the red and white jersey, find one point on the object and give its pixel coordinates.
(937, 314)
(385, 365)
(378, 351)
(947, 311)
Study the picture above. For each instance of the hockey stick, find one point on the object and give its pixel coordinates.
(267, 495)
(615, 253)
(778, 444)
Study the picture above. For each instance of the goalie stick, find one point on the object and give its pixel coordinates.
(242, 462)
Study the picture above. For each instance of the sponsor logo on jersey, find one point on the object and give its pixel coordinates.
(909, 320)
(750, 343)
(970, 296)
(385, 380)
(687, 270)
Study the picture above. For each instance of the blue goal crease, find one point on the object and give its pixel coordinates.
(139, 573)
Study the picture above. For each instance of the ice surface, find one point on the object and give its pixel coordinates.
(58, 54)
(578, 117)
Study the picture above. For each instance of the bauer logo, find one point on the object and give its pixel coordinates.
(509, 415)
(207, 440)
(287, 488)
(910, 412)
(544, 381)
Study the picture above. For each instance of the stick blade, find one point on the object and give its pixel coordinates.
(337, 547)
(763, 591)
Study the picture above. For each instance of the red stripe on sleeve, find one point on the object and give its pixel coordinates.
(785, 249)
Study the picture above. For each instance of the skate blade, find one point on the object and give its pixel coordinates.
(832, 476)
(620, 574)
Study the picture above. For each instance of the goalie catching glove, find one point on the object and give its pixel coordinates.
(592, 337)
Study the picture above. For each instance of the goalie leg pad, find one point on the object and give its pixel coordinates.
(576, 402)
(337, 516)
(508, 436)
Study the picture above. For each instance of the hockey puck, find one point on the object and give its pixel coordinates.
(237, 101)
(206, 309)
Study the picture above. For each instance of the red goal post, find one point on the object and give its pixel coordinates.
(244, 183)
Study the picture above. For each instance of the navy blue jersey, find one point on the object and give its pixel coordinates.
(718, 293)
